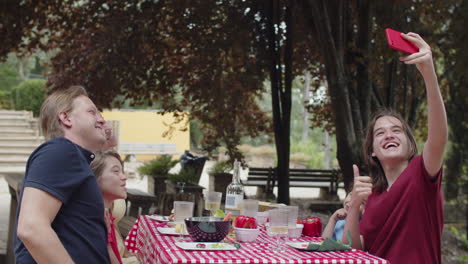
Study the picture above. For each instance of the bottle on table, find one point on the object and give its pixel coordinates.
(234, 192)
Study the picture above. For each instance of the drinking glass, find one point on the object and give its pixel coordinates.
(278, 225)
(213, 201)
(293, 212)
(249, 207)
(182, 210)
(261, 218)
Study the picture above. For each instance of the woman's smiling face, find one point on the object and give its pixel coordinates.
(113, 180)
(390, 140)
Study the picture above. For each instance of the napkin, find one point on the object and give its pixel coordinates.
(329, 245)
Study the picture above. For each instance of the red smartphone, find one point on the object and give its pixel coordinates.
(397, 42)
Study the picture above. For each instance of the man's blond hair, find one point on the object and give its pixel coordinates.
(56, 103)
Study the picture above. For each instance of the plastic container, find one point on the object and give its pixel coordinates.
(246, 234)
(295, 232)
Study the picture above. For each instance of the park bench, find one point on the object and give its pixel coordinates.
(266, 179)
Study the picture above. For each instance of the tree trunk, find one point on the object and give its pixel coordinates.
(326, 149)
(364, 85)
(331, 35)
(453, 172)
(281, 90)
(305, 97)
(283, 182)
(456, 109)
(22, 68)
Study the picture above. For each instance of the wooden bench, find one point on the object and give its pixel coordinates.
(266, 179)
(263, 178)
(139, 202)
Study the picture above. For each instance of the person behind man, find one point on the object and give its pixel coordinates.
(403, 218)
(61, 211)
(335, 226)
(108, 169)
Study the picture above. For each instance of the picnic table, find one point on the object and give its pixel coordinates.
(152, 247)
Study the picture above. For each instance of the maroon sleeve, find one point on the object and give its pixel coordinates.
(432, 182)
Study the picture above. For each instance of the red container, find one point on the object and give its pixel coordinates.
(312, 227)
(243, 221)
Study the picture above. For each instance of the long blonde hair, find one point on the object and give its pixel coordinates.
(56, 103)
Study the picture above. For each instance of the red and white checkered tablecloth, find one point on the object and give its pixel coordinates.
(153, 247)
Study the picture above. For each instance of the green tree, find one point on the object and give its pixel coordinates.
(29, 95)
(278, 30)
(15, 70)
(362, 73)
(187, 55)
(455, 81)
(9, 78)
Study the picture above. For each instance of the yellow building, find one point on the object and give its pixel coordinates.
(141, 133)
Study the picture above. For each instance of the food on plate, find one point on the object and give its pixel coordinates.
(211, 245)
(218, 245)
(218, 213)
(200, 245)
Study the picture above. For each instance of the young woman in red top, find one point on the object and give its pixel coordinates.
(108, 169)
(404, 218)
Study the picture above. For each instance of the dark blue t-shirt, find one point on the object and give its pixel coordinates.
(61, 168)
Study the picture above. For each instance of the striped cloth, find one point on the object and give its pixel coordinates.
(153, 247)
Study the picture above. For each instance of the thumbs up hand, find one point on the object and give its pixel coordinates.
(362, 188)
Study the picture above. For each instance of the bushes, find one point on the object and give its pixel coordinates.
(161, 166)
(5, 100)
(158, 166)
(187, 176)
(29, 95)
(221, 167)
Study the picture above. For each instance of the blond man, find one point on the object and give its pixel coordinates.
(60, 215)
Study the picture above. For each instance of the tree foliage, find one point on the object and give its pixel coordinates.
(29, 95)
(454, 80)
(151, 51)
(15, 16)
(8, 80)
(362, 73)
(211, 57)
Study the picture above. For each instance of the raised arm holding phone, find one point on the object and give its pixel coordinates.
(404, 219)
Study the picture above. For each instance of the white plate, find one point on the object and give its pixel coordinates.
(159, 218)
(170, 231)
(300, 245)
(205, 246)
